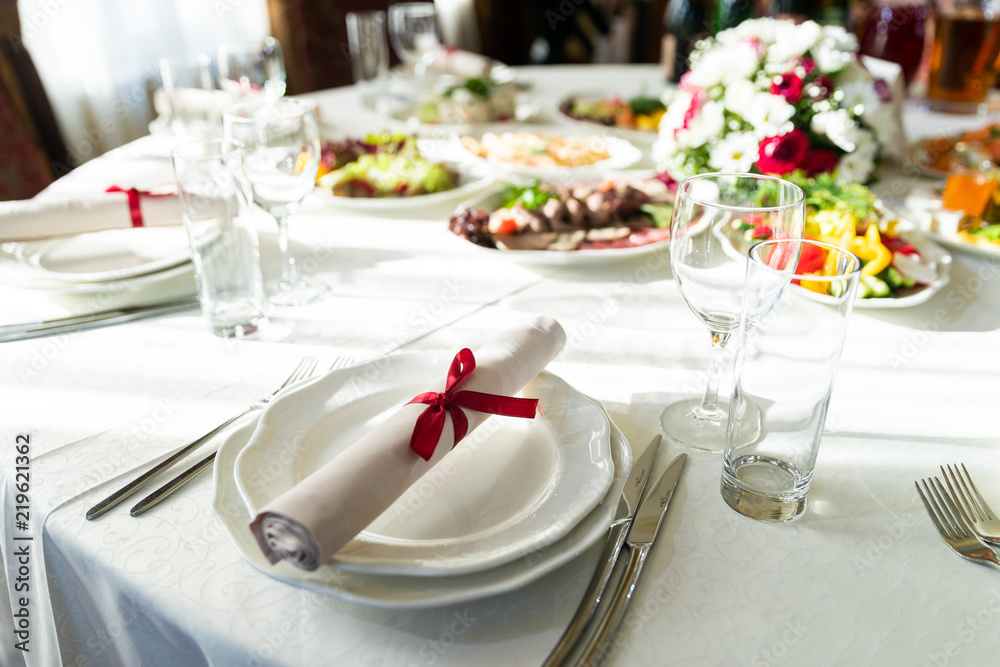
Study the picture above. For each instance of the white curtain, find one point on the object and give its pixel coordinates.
(98, 59)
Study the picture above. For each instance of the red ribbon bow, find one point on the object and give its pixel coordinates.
(430, 423)
(134, 201)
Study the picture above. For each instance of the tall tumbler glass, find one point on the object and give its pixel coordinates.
(715, 218)
(368, 50)
(195, 104)
(217, 211)
(790, 340)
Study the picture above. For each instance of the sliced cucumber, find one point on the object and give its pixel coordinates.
(876, 288)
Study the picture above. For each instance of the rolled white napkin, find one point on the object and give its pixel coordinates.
(45, 217)
(310, 522)
(458, 62)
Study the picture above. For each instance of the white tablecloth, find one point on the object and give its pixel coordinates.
(861, 579)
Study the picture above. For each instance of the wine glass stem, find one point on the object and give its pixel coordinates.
(289, 273)
(709, 407)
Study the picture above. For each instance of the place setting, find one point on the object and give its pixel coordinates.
(448, 349)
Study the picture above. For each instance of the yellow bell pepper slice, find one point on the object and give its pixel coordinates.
(870, 248)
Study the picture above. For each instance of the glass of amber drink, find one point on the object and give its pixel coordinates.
(964, 55)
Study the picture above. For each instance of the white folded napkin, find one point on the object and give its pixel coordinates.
(310, 522)
(44, 217)
(458, 62)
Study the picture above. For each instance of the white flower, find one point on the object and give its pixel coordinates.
(677, 109)
(792, 41)
(855, 94)
(838, 127)
(737, 151)
(738, 96)
(835, 50)
(770, 115)
(857, 166)
(707, 125)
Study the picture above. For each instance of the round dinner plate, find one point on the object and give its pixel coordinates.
(491, 200)
(511, 487)
(398, 591)
(911, 297)
(471, 179)
(94, 258)
(635, 136)
(621, 153)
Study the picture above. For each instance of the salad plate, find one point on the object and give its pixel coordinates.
(391, 171)
(511, 487)
(925, 208)
(470, 180)
(635, 119)
(87, 262)
(408, 592)
(932, 257)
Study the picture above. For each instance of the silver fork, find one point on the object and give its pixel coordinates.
(304, 369)
(952, 526)
(980, 516)
(183, 478)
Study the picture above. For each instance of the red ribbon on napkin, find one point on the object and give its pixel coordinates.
(430, 423)
(134, 201)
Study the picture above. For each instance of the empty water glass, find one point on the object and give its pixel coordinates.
(216, 208)
(792, 329)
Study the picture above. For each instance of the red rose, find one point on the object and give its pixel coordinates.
(784, 154)
(788, 86)
(820, 89)
(819, 162)
(807, 64)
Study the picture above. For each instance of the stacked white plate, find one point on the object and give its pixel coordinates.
(516, 499)
(113, 259)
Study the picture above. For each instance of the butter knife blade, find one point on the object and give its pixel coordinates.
(627, 506)
(645, 526)
(96, 320)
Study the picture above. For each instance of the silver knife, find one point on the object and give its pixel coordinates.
(619, 527)
(62, 325)
(646, 524)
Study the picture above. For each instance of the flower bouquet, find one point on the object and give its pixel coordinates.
(775, 97)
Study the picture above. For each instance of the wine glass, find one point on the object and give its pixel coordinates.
(716, 219)
(283, 151)
(413, 30)
(251, 69)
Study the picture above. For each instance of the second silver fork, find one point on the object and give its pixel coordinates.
(304, 369)
(952, 526)
(183, 478)
(980, 516)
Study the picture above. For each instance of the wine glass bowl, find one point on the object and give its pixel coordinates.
(283, 153)
(716, 219)
(413, 30)
(252, 69)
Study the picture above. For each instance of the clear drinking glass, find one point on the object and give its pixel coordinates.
(217, 212)
(369, 53)
(189, 87)
(283, 151)
(246, 70)
(790, 340)
(716, 218)
(413, 30)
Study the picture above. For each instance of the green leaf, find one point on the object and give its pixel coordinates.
(660, 213)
